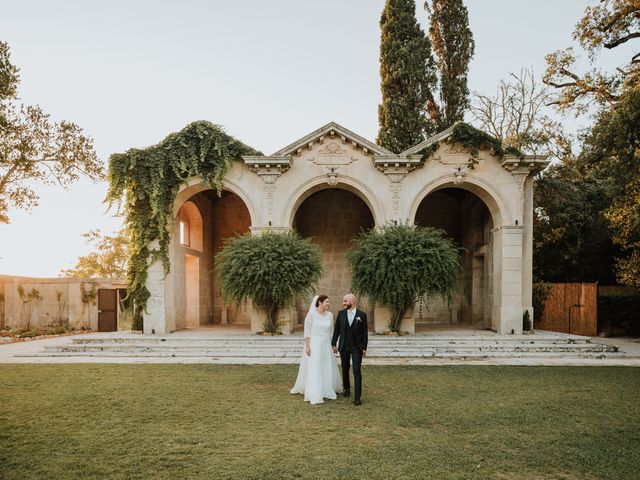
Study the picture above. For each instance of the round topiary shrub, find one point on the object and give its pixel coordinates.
(272, 269)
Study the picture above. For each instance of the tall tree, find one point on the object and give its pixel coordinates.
(453, 47)
(34, 149)
(407, 77)
(109, 260)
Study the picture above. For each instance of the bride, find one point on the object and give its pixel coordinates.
(318, 375)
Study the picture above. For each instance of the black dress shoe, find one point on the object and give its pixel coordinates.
(357, 402)
(346, 393)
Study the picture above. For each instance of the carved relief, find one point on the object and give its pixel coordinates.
(333, 154)
(333, 149)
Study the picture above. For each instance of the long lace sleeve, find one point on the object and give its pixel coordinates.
(307, 324)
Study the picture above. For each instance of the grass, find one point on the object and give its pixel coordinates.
(240, 422)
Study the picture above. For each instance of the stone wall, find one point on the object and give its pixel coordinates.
(332, 218)
(61, 301)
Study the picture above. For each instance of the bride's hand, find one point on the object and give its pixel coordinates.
(308, 350)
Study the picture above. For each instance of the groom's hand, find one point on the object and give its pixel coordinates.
(364, 353)
(335, 349)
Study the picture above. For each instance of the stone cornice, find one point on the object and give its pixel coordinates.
(525, 164)
(268, 168)
(391, 164)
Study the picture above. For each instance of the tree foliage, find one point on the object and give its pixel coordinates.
(272, 269)
(407, 75)
(609, 24)
(33, 149)
(453, 49)
(571, 237)
(399, 265)
(612, 149)
(146, 182)
(109, 260)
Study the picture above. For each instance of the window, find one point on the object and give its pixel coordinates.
(184, 232)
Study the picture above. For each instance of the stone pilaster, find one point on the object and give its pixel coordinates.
(508, 276)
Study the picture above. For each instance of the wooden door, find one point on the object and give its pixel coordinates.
(107, 310)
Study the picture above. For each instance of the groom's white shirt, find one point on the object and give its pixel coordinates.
(351, 314)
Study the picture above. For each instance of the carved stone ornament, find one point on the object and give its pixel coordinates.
(333, 154)
(333, 148)
(332, 176)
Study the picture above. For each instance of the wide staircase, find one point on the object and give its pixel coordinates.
(287, 349)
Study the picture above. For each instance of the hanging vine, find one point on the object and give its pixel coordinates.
(145, 183)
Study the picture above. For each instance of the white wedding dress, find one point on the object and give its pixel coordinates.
(318, 375)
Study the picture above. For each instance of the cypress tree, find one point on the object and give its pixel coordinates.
(407, 77)
(453, 47)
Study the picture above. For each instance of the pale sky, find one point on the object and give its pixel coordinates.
(130, 72)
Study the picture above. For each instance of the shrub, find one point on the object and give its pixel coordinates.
(399, 265)
(272, 269)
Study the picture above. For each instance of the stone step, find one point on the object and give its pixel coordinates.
(255, 355)
(299, 341)
(297, 349)
(297, 353)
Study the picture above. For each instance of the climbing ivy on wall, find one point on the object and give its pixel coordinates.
(145, 183)
(474, 140)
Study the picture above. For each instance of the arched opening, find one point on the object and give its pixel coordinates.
(467, 220)
(202, 225)
(331, 218)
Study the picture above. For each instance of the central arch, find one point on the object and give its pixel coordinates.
(468, 221)
(331, 218)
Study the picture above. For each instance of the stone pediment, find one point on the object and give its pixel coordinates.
(333, 137)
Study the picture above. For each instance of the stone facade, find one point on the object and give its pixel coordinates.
(330, 184)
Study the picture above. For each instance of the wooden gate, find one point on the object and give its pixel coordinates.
(571, 308)
(107, 310)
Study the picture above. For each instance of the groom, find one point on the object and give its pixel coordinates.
(351, 327)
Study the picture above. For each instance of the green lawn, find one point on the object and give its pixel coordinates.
(237, 422)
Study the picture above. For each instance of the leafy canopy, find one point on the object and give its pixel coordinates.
(109, 260)
(398, 265)
(146, 182)
(272, 269)
(33, 149)
(609, 24)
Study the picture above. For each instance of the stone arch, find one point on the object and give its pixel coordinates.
(468, 220)
(500, 214)
(196, 185)
(317, 184)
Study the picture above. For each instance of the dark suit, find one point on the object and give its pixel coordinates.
(353, 340)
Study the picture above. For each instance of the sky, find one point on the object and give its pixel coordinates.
(130, 72)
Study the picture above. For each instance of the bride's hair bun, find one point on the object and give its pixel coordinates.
(321, 299)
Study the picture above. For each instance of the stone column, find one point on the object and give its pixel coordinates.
(527, 247)
(155, 316)
(508, 274)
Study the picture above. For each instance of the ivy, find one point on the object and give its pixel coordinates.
(145, 183)
(474, 140)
